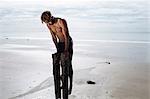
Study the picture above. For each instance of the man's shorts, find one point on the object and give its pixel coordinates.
(61, 46)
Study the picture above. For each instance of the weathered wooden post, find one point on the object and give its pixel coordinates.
(64, 61)
(56, 74)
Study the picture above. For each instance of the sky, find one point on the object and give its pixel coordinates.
(90, 18)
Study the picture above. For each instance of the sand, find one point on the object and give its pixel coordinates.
(26, 69)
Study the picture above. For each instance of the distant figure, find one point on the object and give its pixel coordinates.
(61, 38)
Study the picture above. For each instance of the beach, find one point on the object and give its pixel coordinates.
(120, 69)
(111, 48)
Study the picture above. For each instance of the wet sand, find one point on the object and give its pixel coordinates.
(26, 70)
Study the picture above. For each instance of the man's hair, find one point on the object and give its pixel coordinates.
(44, 15)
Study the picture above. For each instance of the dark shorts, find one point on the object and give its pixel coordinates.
(61, 46)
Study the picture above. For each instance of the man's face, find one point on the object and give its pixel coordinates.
(48, 20)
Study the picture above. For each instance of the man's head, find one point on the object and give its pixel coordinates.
(46, 17)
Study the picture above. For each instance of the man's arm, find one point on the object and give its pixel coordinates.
(64, 27)
(53, 36)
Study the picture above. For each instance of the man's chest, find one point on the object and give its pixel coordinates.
(56, 29)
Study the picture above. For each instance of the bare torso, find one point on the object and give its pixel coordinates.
(56, 29)
(58, 32)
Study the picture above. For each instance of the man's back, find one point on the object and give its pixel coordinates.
(58, 28)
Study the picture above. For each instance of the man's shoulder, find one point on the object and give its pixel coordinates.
(61, 21)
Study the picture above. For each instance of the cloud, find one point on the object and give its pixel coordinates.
(85, 13)
(93, 10)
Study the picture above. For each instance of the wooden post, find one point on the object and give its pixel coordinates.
(56, 74)
(65, 62)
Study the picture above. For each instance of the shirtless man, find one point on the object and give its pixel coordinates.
(61, 38)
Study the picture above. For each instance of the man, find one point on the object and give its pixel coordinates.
(61, 38)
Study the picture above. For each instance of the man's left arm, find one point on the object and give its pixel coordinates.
(65, 32)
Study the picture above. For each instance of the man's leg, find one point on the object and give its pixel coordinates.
(70, 66)
(70, 74)
(64, 64)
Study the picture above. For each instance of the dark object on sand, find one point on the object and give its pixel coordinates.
(91, 82)
(108, 62)
(59, 60)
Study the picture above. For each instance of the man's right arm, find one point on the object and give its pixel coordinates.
(53, 37)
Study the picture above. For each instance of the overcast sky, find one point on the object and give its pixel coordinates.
(96, 16)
